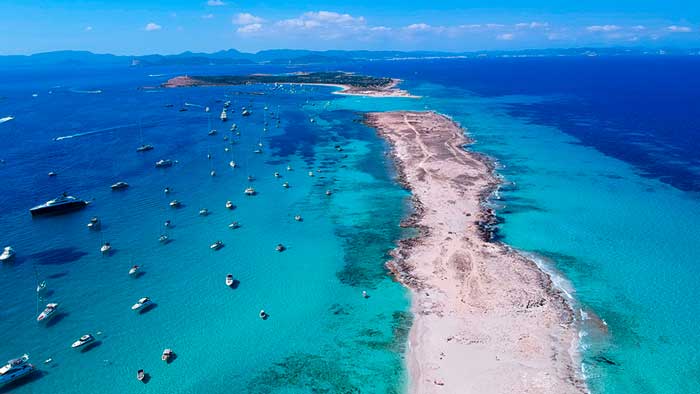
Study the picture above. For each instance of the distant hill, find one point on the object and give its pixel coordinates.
(300, 57)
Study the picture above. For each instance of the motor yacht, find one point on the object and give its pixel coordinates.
(167, 355)
(48, 313)
(232, 163)
(216, 245)
(82, 341)
(119, 185)
(15, 369)
(164, 163)
(7, 254)
(229, 205)
(144, 148)
(229, 280)
(203, 212)
(62, 204)
(249, 191)
(106, 248)
(175, 204)
(141, 304)
(285, 185)
(134, 270)
(234, 225)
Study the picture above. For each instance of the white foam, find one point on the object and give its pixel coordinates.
(6, 119)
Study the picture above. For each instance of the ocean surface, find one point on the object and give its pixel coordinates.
(601, 165)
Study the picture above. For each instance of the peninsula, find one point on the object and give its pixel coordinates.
(486, 318)
(350, 84)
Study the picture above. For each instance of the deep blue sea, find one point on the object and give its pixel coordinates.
(601, 167)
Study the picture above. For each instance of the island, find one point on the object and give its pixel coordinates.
(487, 319)
(349, 83)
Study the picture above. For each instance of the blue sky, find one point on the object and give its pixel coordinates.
(142, 27)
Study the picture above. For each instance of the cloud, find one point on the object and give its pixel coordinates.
(215, 3)
(151, 26)
(639, 28)
(88, 28)
(252, 28)
(531, 25)
(679, 29)
(603, 28)
(419, 27)
(505, 36)
(208, 16)
(323, 19)
(246, 19)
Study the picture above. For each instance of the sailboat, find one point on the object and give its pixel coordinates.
(142, 147)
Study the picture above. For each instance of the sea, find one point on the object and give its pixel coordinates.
(600, 162)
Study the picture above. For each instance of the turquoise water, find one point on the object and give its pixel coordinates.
(322, 335)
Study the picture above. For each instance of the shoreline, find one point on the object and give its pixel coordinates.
(389, 90)
(486, 318)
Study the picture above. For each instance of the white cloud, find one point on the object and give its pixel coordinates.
(679, 29)
(506, 36)
(605, 28)
(493, 25)
(88, 28)
(639, 27)
(215, 3)
(151, 26)
(324, 19)
(252, 28)
(419, 27)
(246, 19)
(380, 28)
(531, 25)
(208, 16)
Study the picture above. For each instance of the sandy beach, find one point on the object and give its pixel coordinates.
(486, 319)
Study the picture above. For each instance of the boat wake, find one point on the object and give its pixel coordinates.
(91, 132)
(193, 105)
(6, 119)
(98, 91)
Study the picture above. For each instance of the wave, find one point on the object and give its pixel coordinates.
(98, 91)
(6, 119)
(91, 132)
(192, 105)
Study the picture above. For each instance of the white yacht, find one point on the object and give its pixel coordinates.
(163, 163)
(229, 205)
(229, 280)
(203, 212)
(167, 355)
(94, 223)
(164, 239)
(175, 204)
(212, 173)
(48, 313)
(216, 245)
(234, 225)
(41, 287)
(141, 304)
(119, 185)
(277, 174)
(285, 185)
(7, 254)
(328, 192)
(106, 248)
(15, 369)
(311, 173)
(133, 271)
(224, 116)
(249, 191)
(289, 168)
(298, 218)
(232, 164)
(82, 341)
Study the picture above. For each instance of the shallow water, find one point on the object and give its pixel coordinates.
(321, 333)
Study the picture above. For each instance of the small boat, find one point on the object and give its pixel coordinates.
(209, 156)
(339, 148)
(167, 223)
(229, 205)
(144, 148)
(216, 245)
(164, 239)
(52, 174)
(289, 168)
(62, 204)
(164, 163)
(212, 132)
(106, 248)
(260, 144)
(140, 375)
(175, 204)
(7, 254)
(212, 173)
(226, 139)
(94, 223)
(251, 178)
(206, 109)
(311, 173)
(226, 149)
(364, 294)
(229, 280)
(245, 112)
(234, 127)
(203, 212)
(48, 313)
(223, 116)
(234, 225)
(328, 192)
(285, 185)
(141, 304)
(41, 287)
(119, 185)
(15, 369)
(280, 248)
(277, 174)
(298, 218)
(134, 270)
(312, 120)
(258, 151)
(82, 341)
(166, 190)
(249, 191)
(232, 163)
(167, 355)
(263, 315)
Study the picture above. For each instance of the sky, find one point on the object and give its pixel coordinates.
(137, 27)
